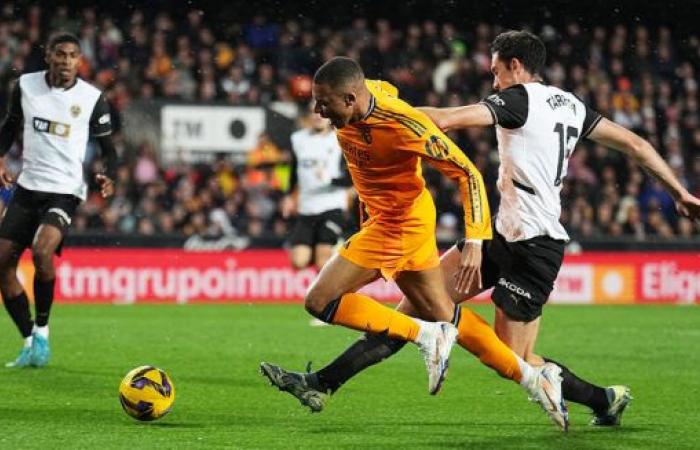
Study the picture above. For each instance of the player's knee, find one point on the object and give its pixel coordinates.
(299, 263)
(43, 258)
(314, 303)
(321, 260)
(320, 306)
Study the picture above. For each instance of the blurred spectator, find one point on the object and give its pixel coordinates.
(643, 76)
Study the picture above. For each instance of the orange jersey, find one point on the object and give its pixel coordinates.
(384, 152)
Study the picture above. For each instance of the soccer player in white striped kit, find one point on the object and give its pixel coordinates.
(58, 112)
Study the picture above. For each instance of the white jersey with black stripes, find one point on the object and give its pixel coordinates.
(537, 128)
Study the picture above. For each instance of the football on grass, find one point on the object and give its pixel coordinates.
(147, 393)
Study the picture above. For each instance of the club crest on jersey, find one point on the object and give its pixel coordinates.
(51, 127)
(436, 147)
(366, 135)
(75, 110)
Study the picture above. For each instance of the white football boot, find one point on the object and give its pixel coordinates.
(435, 344)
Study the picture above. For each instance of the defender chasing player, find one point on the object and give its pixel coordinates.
(384, 140)
(537, 128)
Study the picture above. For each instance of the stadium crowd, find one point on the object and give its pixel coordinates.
(645, 78)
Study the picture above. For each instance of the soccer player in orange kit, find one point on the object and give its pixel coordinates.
(384, 141)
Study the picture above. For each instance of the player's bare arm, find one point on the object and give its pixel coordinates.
(447, 119)
(612, 135)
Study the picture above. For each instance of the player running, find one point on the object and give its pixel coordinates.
(537, 128)
(60, 112)
(384, 140)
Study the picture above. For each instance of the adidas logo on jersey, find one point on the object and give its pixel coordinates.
(50, 127)
(514, 288)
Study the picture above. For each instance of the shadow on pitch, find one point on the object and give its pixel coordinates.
(174, 425)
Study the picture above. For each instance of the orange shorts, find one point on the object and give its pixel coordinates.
(408, 245)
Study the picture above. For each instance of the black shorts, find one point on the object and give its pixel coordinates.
(324, 228)
(27, 210)
(522, 273)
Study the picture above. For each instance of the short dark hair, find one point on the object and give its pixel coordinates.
(524, 46)
(60, 38)
(339, 71)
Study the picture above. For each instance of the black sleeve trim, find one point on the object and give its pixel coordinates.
(592, 126)
(109, 156)
(509, 106)
(101, 120)
(493, 113)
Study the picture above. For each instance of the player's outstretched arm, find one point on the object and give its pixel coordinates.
(447, 119)
(612, 135)
(109, 156)
(440, 152)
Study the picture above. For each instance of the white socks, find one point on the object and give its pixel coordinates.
(530, 374)
(41, 331)
(424, 332)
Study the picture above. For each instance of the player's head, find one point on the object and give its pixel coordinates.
(63, 56)
(516, 57)
(336, 89)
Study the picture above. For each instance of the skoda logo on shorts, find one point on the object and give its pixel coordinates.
(514, 288)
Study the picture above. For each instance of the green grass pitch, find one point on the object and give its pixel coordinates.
(212, 353)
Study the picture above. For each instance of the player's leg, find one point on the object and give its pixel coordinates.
(329, 231)
(522, 289)
(15, 299)
(58, 211)
(322, 253)
(428, 297)
(371, 348)
(300, 256)
(48, 239)
(332, 299)
(17, 229)
(301, 241)
(474, 333)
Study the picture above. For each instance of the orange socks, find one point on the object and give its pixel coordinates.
(362, 313)
(477, 336)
